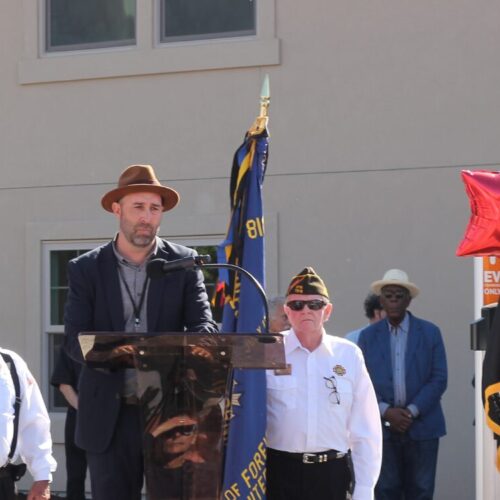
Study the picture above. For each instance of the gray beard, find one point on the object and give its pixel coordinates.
(142, 241)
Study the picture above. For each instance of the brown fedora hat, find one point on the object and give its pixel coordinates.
(136, 179)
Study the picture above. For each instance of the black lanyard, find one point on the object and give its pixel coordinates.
(137, 307)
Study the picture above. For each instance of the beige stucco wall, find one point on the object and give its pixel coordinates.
(376, 107)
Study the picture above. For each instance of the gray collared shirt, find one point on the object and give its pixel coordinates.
(136, 280)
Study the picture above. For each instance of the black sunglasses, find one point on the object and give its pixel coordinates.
(396, 295)
(313, 305)
(184, 430)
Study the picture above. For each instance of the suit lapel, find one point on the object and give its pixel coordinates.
(385, 345)
(111, 285)
(411, 346)
(156, 292)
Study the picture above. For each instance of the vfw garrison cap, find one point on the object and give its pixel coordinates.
(307, 282)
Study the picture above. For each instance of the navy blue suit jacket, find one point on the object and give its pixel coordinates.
(176, 302)
(425, 372)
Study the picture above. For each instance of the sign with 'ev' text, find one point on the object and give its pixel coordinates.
(491, 280)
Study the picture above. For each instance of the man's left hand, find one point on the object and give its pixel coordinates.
(400, 419)
(39, 491)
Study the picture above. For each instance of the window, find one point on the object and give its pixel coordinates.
(89, 24)
(202, 19)
(57, 257)
(56, 261)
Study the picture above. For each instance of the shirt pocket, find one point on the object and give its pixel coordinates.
(282, 391)
(344, 396)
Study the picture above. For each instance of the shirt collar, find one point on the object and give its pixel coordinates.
(123, 260)
(293, 343)
(404, 325)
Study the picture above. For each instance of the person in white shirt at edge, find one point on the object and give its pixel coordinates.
(323, 426)
(34, 443)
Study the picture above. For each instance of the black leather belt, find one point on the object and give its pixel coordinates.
(309, 458)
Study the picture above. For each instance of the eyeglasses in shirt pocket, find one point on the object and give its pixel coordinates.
(344, 394)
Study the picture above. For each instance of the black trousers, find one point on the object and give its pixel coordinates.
(290, 479)
(117, 473)
(7, 488)
(76, 460)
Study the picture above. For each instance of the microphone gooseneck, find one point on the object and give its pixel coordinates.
(156, 268)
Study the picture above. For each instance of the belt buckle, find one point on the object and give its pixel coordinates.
(308, 458)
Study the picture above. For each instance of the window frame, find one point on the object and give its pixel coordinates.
(50, 330)
(148, 56)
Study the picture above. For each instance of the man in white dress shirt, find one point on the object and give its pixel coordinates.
(323, 430)
(34, 443)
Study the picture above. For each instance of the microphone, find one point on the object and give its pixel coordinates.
(156, 268)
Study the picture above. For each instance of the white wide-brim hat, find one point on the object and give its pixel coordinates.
(398, 278)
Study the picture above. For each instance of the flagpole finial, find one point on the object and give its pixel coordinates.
(260, 123)
(265, 97)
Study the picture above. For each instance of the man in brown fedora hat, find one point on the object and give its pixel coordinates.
(406, 359)
(322, 433)
(109, 291)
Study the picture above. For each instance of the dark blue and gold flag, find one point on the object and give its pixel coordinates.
(244, 474)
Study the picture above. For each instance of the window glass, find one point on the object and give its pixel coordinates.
(86, 24)
(202, 19)
(210, 274)
(59, 282)
(58, 285)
